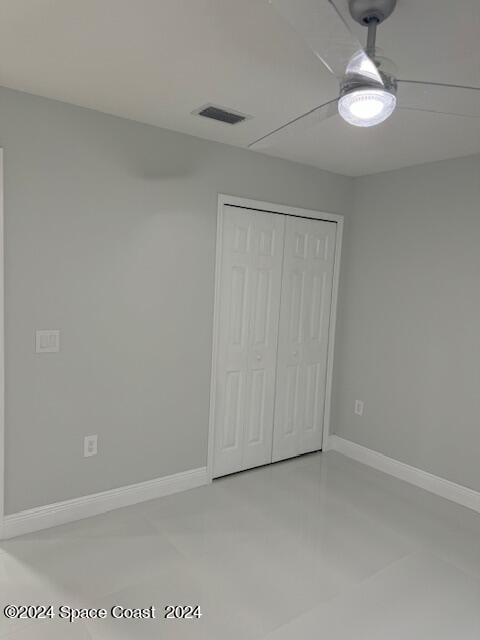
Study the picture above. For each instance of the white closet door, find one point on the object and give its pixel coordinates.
(251, 268)
(303, 336)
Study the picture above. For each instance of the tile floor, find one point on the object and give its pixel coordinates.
(316, 547)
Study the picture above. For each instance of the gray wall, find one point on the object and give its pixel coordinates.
(408, 333)
(110, 237)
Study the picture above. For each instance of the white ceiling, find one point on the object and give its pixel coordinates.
(155, 61)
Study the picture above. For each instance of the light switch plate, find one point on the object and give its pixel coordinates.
(47, 341)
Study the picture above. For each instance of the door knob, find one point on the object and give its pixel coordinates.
(295, 353)
(259, 357)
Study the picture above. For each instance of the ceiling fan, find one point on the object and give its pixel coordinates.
(369, 89)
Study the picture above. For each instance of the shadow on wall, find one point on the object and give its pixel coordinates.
(152, 161)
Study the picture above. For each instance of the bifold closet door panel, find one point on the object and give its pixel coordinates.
(303, 336)
(251, 268)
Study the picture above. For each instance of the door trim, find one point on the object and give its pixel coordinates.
(2, 355)
(258, 205)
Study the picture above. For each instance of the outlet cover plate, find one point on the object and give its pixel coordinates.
(90, 446)
(359, 407)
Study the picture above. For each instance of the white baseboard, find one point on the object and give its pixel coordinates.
(435, 484)
(52, 515)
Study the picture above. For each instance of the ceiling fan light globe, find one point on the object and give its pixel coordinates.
(367, 107)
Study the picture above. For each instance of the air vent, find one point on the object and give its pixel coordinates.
(220, 114)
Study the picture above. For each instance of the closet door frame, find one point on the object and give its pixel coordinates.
(269, 207)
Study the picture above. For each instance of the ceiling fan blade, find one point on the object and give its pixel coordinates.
(325, 31)
(308, 119)
(438, 97)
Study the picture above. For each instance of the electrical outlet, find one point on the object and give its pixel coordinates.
(90, 446)
(359, 407)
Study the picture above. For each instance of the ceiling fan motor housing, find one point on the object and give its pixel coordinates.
(352, 82)
(367, 11)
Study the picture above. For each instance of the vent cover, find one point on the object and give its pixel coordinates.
(220, 114)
